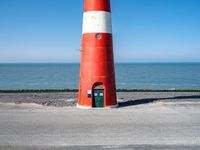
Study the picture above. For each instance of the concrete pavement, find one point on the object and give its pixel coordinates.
(160, 125)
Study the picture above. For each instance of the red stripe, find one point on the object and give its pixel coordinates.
(97, 5)
(96, 52)
(97, 65)
(90, 40)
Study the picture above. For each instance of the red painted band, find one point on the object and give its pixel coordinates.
(97, 50)
(90, 40)
(97, 66)
(97, 5)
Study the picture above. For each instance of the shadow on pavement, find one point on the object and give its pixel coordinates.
(151, 100)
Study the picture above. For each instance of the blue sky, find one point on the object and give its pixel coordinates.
(143, 30)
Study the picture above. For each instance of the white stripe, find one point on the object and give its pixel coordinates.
(97, 22)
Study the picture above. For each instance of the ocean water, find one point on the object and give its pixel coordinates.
(128, 76)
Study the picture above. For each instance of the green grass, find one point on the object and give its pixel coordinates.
(76, 90)
(39, 91)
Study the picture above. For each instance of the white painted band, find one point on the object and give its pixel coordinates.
(97, 22)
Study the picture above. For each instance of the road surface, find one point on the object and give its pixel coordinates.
(159, 125)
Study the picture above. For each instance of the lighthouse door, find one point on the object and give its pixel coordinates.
(98, 98)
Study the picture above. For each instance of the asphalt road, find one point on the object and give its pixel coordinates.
(160, 125)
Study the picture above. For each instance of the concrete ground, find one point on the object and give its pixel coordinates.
(152, 126)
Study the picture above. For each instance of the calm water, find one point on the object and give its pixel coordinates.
(131, 76)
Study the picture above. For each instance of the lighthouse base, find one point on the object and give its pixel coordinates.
(88, 107)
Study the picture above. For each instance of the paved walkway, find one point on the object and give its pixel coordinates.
(159, 125)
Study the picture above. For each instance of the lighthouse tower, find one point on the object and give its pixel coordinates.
(97, 75)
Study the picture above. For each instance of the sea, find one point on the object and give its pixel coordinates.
(155, 76)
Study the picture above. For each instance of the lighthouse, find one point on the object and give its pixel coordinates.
(97, 88)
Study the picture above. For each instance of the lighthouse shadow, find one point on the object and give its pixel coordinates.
(152, 100)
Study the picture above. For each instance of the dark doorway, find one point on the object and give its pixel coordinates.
(98, 96)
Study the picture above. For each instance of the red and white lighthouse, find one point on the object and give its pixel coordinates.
(97, 74)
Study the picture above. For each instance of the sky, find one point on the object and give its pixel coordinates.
(143, 30)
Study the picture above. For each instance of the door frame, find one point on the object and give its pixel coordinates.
(98, 86)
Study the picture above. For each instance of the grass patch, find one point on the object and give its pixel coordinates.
(39, 91)
(157, 90)
(76, 90)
